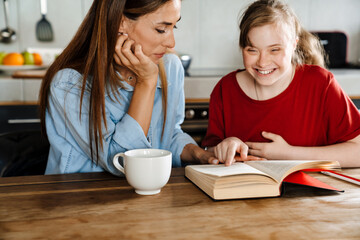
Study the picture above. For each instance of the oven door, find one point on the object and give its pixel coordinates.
(196, 120)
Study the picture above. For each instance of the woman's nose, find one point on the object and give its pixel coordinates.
(170, 41)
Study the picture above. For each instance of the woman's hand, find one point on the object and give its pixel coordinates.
(278, 148)
(194, 154)
(207, 157)
(226, 150)
(130, 55)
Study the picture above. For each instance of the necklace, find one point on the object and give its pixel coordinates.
(127, 75)
(257, 96)
(130, 78)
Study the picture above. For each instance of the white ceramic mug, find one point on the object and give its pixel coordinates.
(147, 170)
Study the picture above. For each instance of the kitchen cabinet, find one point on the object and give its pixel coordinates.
(18, 89)
(356, 102)
(18, 104)
(10, 89)
(16, 118)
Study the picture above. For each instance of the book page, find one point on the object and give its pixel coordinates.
(276, 168)
(222, 170)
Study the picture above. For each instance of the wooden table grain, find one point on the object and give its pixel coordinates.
(102, 206)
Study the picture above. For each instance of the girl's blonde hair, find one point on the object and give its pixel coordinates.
(263, 12)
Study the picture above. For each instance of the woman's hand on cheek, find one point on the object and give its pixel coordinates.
(118, 46)
(130, 55)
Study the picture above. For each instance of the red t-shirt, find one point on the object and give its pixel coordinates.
(312, 111)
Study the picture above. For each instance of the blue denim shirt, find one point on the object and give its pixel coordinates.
(68, 134)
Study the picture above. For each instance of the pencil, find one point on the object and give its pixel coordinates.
(342, 177)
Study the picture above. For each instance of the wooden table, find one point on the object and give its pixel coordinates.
(102, 206)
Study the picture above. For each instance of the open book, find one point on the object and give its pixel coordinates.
(250, 179)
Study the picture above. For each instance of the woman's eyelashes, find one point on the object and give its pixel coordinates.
(163, 30)
(160, 30)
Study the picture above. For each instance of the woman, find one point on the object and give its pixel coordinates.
(284, 104)
(103, 94)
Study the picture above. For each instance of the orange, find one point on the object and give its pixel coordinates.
(13, 59)
(37, 59)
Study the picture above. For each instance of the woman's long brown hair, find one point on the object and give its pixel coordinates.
(90, 52)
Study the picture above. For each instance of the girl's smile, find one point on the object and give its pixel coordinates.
(265, 72)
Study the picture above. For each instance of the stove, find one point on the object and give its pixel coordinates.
(196, 120)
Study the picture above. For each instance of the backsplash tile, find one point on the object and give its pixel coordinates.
(11, 90)
(31, 89)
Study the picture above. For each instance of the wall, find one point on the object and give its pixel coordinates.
(208, 29)
(65, 17)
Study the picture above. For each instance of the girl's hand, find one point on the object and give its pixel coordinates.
(277, 149)
(248, 158)
(226, 150)
(130, 55)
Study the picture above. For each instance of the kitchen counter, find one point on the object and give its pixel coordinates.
(24, 86)
(349, 80)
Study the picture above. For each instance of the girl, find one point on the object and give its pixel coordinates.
(103, 94)
(284, 104)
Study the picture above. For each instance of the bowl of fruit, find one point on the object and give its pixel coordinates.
(15, 61)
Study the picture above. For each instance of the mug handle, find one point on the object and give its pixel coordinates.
(116, 162)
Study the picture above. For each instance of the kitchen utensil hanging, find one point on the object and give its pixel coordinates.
(7, 35)
(44, 30)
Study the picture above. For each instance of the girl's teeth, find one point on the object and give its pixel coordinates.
(265, 72)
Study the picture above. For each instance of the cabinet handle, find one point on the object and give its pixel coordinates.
(19, 121)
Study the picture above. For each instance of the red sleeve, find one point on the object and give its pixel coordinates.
(343, 115)
(215, 131)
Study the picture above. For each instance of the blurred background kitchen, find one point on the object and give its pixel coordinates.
(208, 33)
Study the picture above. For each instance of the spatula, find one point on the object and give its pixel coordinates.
(44, 30)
